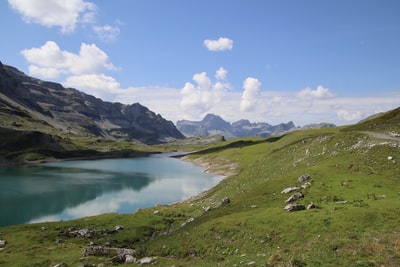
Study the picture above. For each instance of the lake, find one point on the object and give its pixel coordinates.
(72, 189)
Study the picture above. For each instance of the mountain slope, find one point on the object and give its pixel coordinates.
(32, 104)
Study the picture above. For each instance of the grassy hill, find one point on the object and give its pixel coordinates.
(354, 176)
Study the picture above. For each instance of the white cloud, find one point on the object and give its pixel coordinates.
(107, 33)
(200, 98)
(221, 73)
(346, 115)
(251, 94)
(99, 85)
(47, 73)
(84, 71)
(319, 93)
(49, 60)
(55, 13)
(219, 45)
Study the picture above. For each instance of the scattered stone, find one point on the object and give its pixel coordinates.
(303, 178)
(119, 227)
(61, 265)
(294, 197)
(390, 158)
(43, 228)
(253, 206)
(311, 206)
(208, 208)
(103, 251)
(341, 202)
(306, 185)
(146, 260)
(290, 189)
(130, 259)
(2, 243)
(294, 207)
(251, 263)
(156, 212)
(226, 200)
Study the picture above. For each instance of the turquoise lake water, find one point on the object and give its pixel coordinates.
(73, 189)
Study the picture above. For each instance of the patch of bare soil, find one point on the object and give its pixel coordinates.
(217, 166)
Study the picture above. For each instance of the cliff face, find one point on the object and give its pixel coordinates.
(72, 111)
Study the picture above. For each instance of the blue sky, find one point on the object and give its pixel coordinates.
(307, 61)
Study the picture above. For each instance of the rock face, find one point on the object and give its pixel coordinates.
(215, 125)
(72, 111)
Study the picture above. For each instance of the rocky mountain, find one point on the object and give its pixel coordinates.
(213, 124)
(32, 104)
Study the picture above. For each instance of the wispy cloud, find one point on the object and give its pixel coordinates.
(56, 13)
(107, 33)
(221, 44)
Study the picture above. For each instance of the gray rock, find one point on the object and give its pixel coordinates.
(226, 200)
(294, 197)
(2, 243)
(306, 185)
(146, 260)
(294, 207)
(290, 189)
(303, 178)
(119, 227)
(311, 206)
(130, 259)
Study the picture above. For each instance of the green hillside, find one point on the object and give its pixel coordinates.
(354, 184)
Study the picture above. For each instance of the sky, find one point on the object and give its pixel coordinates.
(306, 61)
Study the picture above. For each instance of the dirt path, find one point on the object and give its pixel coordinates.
(384, 136)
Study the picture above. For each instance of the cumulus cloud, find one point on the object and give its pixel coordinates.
(107, 33)
(49, 61)
(251, 94)
(221, 44)
(84, 71)
(100, 85)
(319, 93)
(204, 94)
(55, 13)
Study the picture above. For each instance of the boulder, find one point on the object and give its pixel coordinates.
(290, 189)
(146, 260)
(303, 178)
(130, 259)
(306, 185)
(294, 197)
(311, 206)
(294, 207)
(225, 201)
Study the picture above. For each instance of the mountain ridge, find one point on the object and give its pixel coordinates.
(214, 125)
(71, 111)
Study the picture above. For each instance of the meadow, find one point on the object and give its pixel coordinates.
(354, 184)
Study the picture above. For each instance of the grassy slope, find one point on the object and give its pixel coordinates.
(354, 185)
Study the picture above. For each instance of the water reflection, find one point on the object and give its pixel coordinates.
(72, 189)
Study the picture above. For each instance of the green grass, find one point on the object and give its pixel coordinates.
(354, 185)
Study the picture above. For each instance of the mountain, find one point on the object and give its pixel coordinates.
(213, 124)
(28, 103)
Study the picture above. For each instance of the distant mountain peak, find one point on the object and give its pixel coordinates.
(213, 124)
